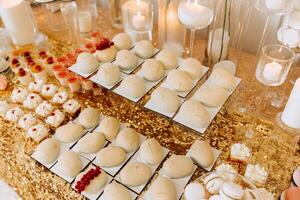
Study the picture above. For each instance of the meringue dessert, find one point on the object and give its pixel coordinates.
(47, 151)
(202, 153)
(195, 191)
(151, 152)
(128, 139)
(71, 106)
(144, 49)
(163, 189)
(89, 117)
(167, 58)
(86, 63)
(38, 132)
(69, 132)
(115, 191)
(109, 74)
(110, 156)
(221, 78)
(91, 143)
(256, 173)
(179, 80)
(14, 114)
(19, 95)
(165, 100)
(36, 86)
(55, 118)
(135, 174)
(211, 96)
(27, 121)
(44, 109)
(126, 60)
(60, 98)
(106, 55)
(193, 67)
(69, 164)
(122, 41)
(48, 91)
(152, 70)
(239, 152)
(110, 127)
(178, 166)
(133, 86)
(32, 101)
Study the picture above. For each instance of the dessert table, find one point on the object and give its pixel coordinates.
(271, 147)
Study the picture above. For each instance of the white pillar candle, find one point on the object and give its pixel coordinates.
(291, 113)
(17, 18)
(85, 22)
(139, 22)
(275, 4)
(272, 71)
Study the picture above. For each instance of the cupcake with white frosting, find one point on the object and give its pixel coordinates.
(55, 118)
(239, 152)
(36, 86)
(226, 171)
(256, 173)
(19, 95)
(44, 109)
(27, 121)
(14, 114)
(60, 98)
(32, 101)
(38, 132)
(71, 106)
(48, 91)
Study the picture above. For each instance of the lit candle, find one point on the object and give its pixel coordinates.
(275, 4)
(272, 71)
(85, 22)
(139, 22)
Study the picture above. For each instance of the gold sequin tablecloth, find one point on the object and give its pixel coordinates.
(271, 147)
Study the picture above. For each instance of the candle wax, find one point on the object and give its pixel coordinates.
(139, 22)
(272, 71)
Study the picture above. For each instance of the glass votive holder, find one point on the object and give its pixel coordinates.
(87, 14)
(274, 6)
(140, 20)
(274, 64)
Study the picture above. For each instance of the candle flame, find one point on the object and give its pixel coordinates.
(138, 2)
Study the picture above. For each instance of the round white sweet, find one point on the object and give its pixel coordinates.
(151, 152)
(133, 86)
(110, 127)
(135, 174)
(36, 86)
(194, 191)
(86, 62)
(47, 151)
(122, 41)
(178, 166)
(91, 143)
(232, 190)
(32, 101)
(213, 183)
(126, 60)
(167, 58)
(69, 163)
(44, 109)
(60, 97)
(152, 70)
(110, 156)
(4, 107)
(69, 132)
(89, 117)
(192, 66)
(128, 139)
(14, 114)
(27, 121)
(19, 95)
(226, 65)
(202, 153)
(71, 106)
(211, 96)
(49, 90)
(109, 74)
(165, 100)
(106, 55)
(163, 189)
(179, 80)
(221, 78)
(38, 132)
(115, 191)
(143, 49)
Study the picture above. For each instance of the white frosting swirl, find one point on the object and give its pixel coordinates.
(38, 132)
(55, 118)
(27, 121)
(71, 106)
(256, 173)
(49, 90)
(32, 101)
(19, 95)
(60, 97)
(44, 109)
(226, 171)
(14, 114)
(240, 151)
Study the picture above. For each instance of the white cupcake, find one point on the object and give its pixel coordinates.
(38, 132)
(27, 121)
(109, 74)
(55, 118)
(49, 90)
(122, 41)
(134, 86)
(36, 86)
(71, 106)
(179, 80)
(19, 95)
(152, 70)
(60, 98)
(144, 49)
(14, 114)
(32, 101)
(44, 109)
(126, 60)
(167, 58)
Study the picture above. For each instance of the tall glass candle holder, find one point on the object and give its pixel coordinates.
(87, 14)
(116, 13)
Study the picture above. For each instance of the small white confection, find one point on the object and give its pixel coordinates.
(163, 189)
(110, 127)
(178, 166)
(194, 114)
(134, 86)
(221, 78)
(213, 183)
(47, 151)
(179, 80)
(4, 107)
(151, 152)
(69, 132)
(14, 114)
(27, 121)
(126, 60)
(96, 184)
(239, 152)
(135, 174)
(86, 62)
(128, 139)
(231, 190)
(55, 118)
(38, 132)
(60, 98)
(19, 95)
(193, 67)
(165, 100)
(226, 171)
(89, 117)
(115, 191)
(49, 90)
(69, 163)
(36, 86)
(32, 101)
(226, 65)
(167, 58)
(106, 55)
(71, 106)
(194, 191)
(109, 73)
(143, 49)
(122, 41)
(256, 173)
(44, 109)
(110, 156)
(91, 143)
(152, 70)
(211, 96)
(202, 153)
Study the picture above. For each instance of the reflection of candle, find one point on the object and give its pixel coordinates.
(272, 71)
(139, 22)
(85, 22)
(275, 4)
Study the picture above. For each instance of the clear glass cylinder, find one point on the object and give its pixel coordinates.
(57, 23)
(87, 15)
(116, 13)
(70, 16)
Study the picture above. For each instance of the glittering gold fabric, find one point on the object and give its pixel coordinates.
(271, 147)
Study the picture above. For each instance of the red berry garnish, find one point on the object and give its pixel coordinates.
(14, 61)
(50, 60)
(42, 53)
(89, 45)
(26, 54)
(21, 72)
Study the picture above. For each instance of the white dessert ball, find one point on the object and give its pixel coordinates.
(86, 62)
(128, 139)
(110, 127)
(194, 191)
(69, 163)
(152, 70)
(109, 74)
(178, 166)
(91, 143)
(134, 86)
(110, 156)
(135, 174)
(69, 132)
(122, 41)
(167, 58)
(165, 100)
(47, 151)
(106, 55)
(221, 78)
(211, 96)
(151, 152)
(213, 183)
(143, 49)
(202, 153)
(163, 189)
(89, 117)
(226, 65)
(126, 60)
(115, 191)
(193, 67)
(179, 80)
